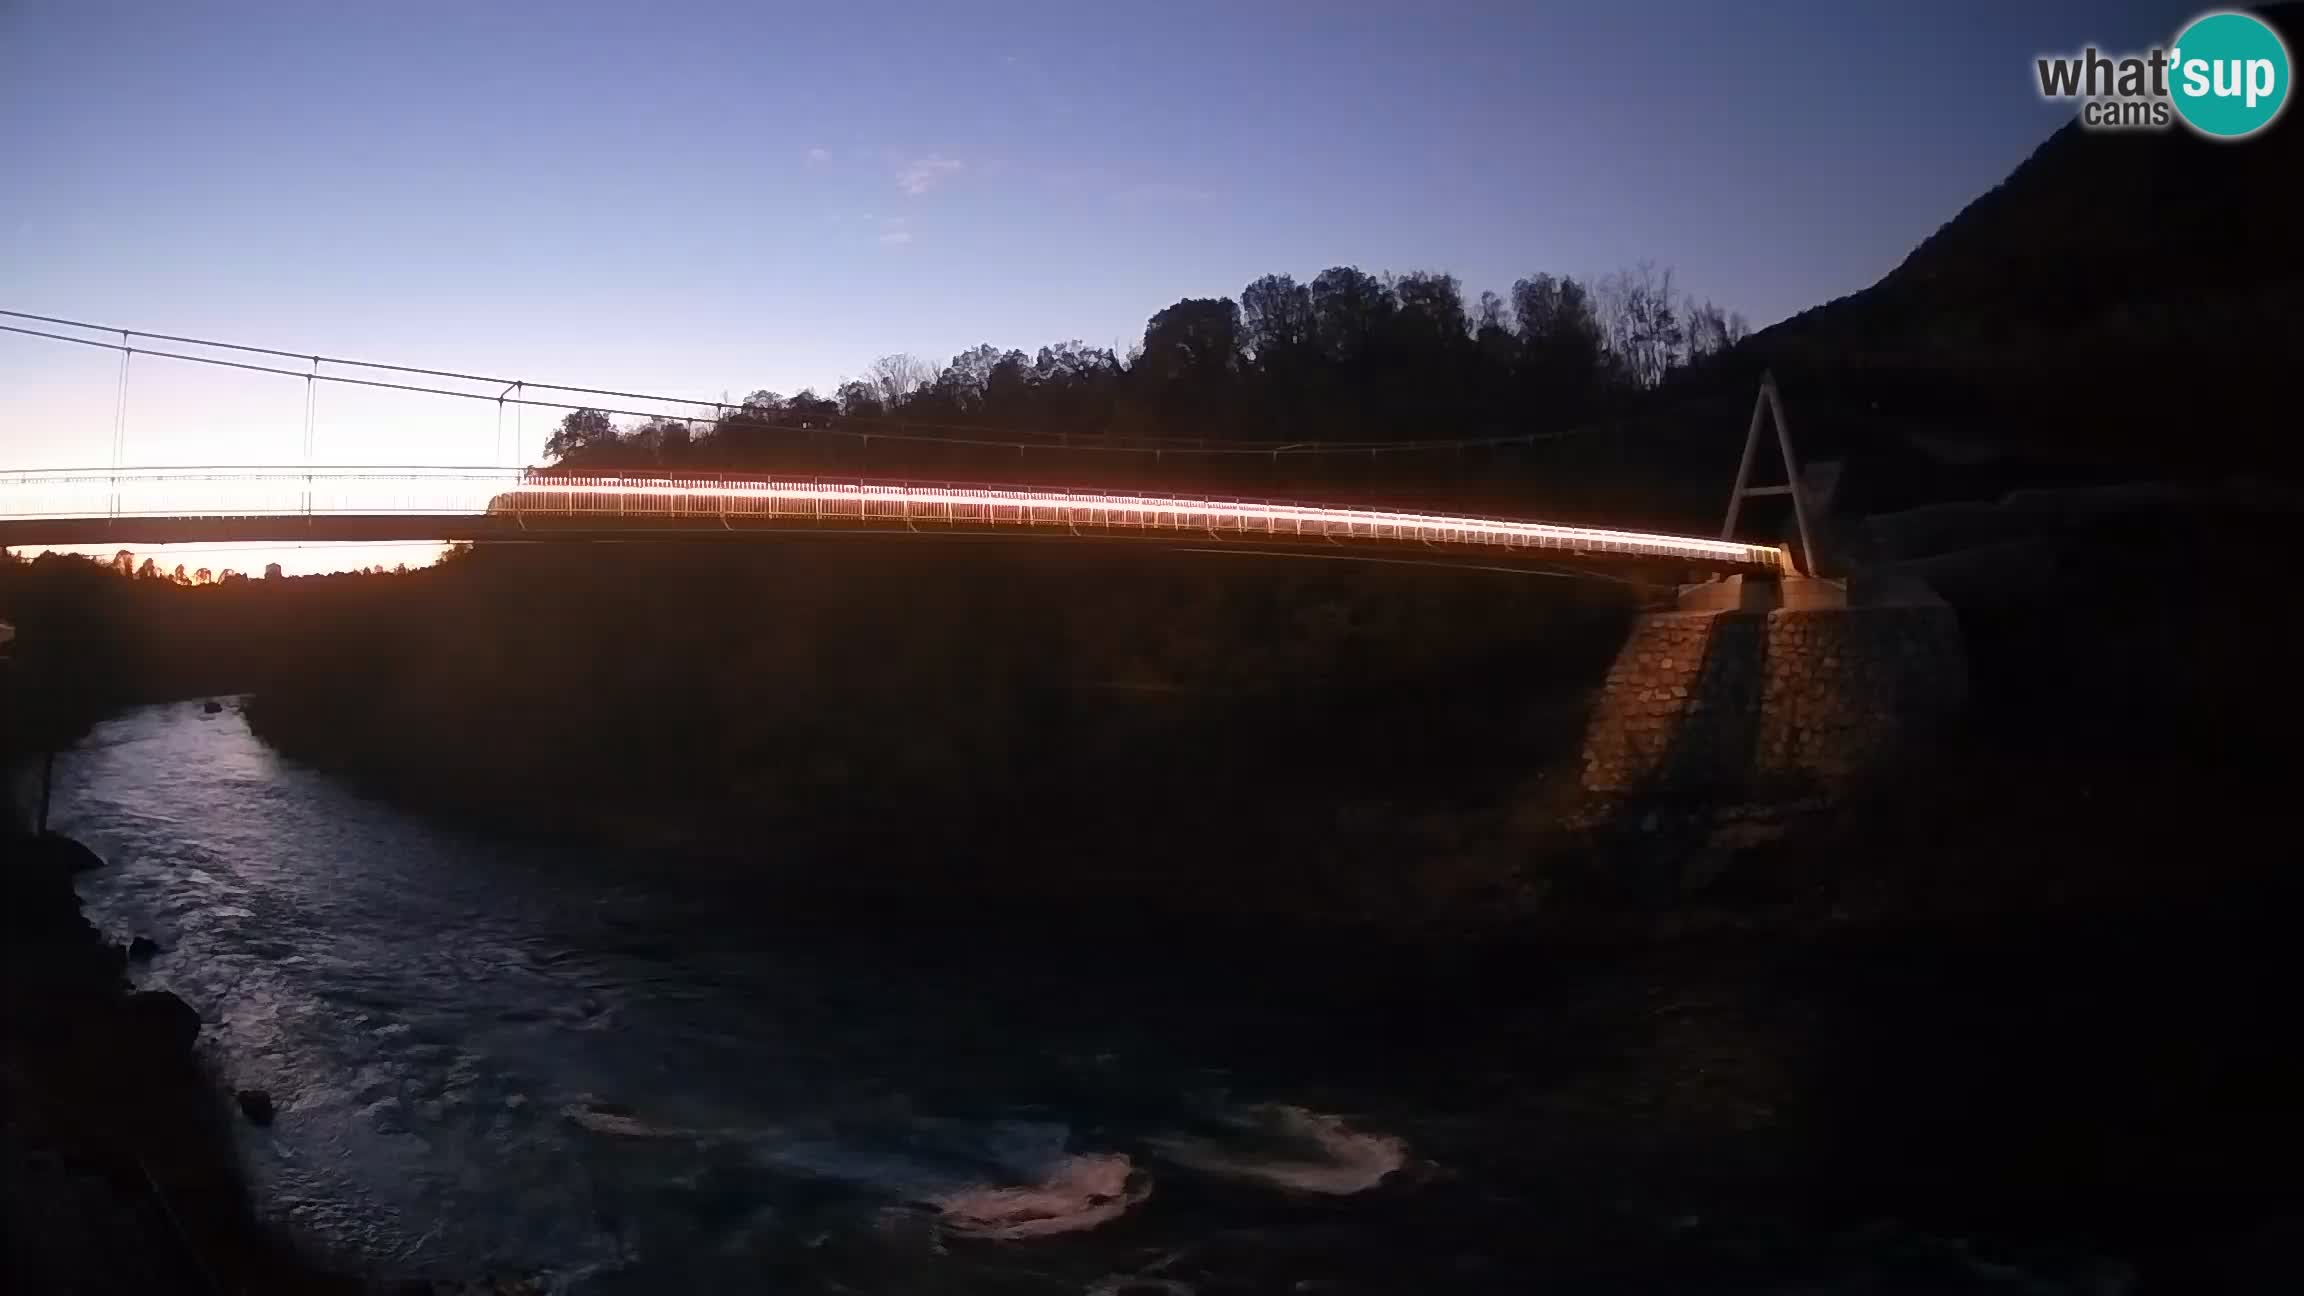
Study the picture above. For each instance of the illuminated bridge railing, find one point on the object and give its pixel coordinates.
(521, 496)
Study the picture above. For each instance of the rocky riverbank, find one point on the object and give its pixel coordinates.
(118, 1171)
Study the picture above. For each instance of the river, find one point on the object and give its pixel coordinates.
(497, 1057)
(602, 1070)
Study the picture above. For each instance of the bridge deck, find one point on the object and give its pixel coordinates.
(287, 505)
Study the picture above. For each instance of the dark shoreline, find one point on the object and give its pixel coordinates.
(126, 1176)
(121, 1169)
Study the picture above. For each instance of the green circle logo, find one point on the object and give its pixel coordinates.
(2228, 75)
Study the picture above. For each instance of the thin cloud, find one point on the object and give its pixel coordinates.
(819, 155)
(893, 233)
(919, 175)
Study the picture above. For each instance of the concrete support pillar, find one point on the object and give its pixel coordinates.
(1765, 683)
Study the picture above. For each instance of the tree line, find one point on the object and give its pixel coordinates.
(1349, 357)
(124, 564)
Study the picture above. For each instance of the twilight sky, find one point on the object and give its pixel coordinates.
(720, 196)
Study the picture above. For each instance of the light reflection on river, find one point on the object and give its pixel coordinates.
(486, 1058)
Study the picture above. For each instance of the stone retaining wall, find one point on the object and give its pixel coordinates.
(1732, 699)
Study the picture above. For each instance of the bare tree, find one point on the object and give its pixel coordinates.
(898, 376)
(1640, 323)
(1707, 330)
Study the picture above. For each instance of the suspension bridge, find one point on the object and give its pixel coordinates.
(119, 503)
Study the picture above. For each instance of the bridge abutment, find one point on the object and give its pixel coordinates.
(1751, 684)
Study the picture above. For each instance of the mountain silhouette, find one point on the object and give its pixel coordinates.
(2122, 302)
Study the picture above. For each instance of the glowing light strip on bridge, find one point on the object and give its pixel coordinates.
(1242, 515)
(344, 492)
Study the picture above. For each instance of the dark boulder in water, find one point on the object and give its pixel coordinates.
(255, 1104)
(212, 706)
(142, 947)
